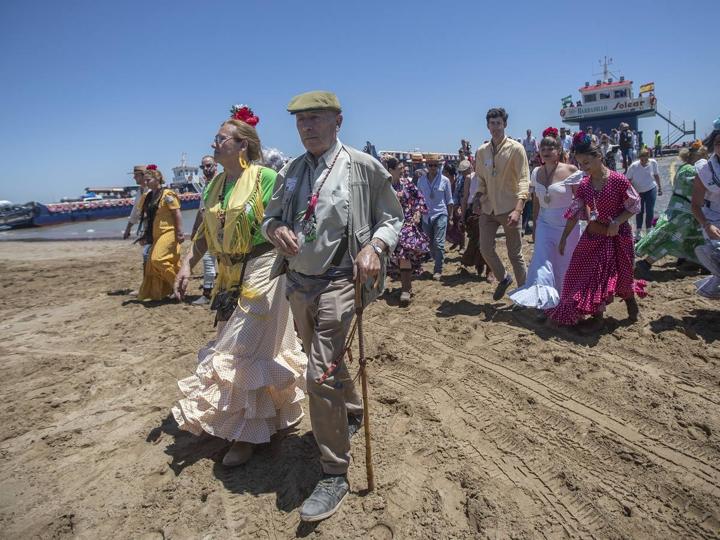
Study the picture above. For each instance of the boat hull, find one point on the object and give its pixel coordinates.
(40, 215)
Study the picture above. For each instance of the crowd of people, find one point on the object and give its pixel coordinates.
(289, 255)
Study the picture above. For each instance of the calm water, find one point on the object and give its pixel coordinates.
(103, 229)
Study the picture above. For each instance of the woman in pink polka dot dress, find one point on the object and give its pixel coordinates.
(602, 263)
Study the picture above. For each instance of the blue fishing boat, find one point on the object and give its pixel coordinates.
(99, 202)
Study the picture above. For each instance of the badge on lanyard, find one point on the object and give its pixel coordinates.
(308, 223)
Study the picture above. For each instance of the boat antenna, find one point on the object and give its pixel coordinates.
(606, 62)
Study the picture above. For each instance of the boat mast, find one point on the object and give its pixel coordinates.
(606, 73)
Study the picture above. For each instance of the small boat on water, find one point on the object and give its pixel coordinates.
(99, 202)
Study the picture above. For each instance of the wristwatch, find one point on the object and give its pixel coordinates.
(377, 249)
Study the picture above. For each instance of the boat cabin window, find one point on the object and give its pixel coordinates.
(621, 93)
(604, 95)
(589, 98)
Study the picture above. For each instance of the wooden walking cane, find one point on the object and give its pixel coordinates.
(363, 379)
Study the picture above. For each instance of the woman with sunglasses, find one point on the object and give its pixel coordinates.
(162, 223)
(247, 384)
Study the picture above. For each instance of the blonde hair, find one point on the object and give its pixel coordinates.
(154, 173)
(248, 133)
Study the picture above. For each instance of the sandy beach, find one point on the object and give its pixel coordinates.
(485, 423)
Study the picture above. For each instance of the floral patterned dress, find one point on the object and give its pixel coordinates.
(676, 232)
(601, 266)
(414, 244)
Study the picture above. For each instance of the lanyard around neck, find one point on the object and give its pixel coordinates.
(312, 201)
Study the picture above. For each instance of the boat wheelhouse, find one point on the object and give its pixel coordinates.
(608, 103)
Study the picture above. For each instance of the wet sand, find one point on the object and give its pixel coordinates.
(485, 423)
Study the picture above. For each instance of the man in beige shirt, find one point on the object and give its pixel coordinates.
(333, 217)
(501, 166)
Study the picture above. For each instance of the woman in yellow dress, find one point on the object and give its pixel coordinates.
(249, 380)
(163, 230)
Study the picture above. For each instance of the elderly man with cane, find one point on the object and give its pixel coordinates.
(334, 217)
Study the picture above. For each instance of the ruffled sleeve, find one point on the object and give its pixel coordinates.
(171, 200)
(574, 179)
(416, 197)
(578, 207)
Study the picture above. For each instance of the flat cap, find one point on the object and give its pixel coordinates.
(139, 168)
(314, 101)
(464, 165)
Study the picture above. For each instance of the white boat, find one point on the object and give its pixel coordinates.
(609, 102)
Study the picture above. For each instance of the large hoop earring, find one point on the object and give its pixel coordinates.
(244, 164)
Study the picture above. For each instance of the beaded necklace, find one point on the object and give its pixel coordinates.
(308, 223)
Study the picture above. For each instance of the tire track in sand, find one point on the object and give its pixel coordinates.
(678, 459)
(475, 428)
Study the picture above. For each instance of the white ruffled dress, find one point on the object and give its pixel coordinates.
(249, 381)
(547, 267)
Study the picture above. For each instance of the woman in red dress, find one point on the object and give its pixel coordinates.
(602, 264)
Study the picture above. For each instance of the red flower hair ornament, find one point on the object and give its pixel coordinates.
(151, 167)
(244, 114)
(551, 132)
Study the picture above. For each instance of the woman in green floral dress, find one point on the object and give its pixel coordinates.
(676, 232)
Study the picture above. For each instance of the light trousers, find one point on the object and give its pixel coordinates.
(489, 224)
(323, 310)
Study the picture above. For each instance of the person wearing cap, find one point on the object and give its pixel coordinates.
(334, 217)
(136, 213)
(139, 177)
(504, 180)
(436, 189)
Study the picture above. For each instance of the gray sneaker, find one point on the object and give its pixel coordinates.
(202, 301)
(326, 498)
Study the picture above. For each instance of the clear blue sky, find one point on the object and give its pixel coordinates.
(90, 88)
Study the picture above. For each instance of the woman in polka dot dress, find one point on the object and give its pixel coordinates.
(602, 263)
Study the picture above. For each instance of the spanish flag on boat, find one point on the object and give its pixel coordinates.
(647, 87)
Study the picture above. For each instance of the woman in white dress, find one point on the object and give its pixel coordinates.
(552, 186)
(249, 381)
(706, 209)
